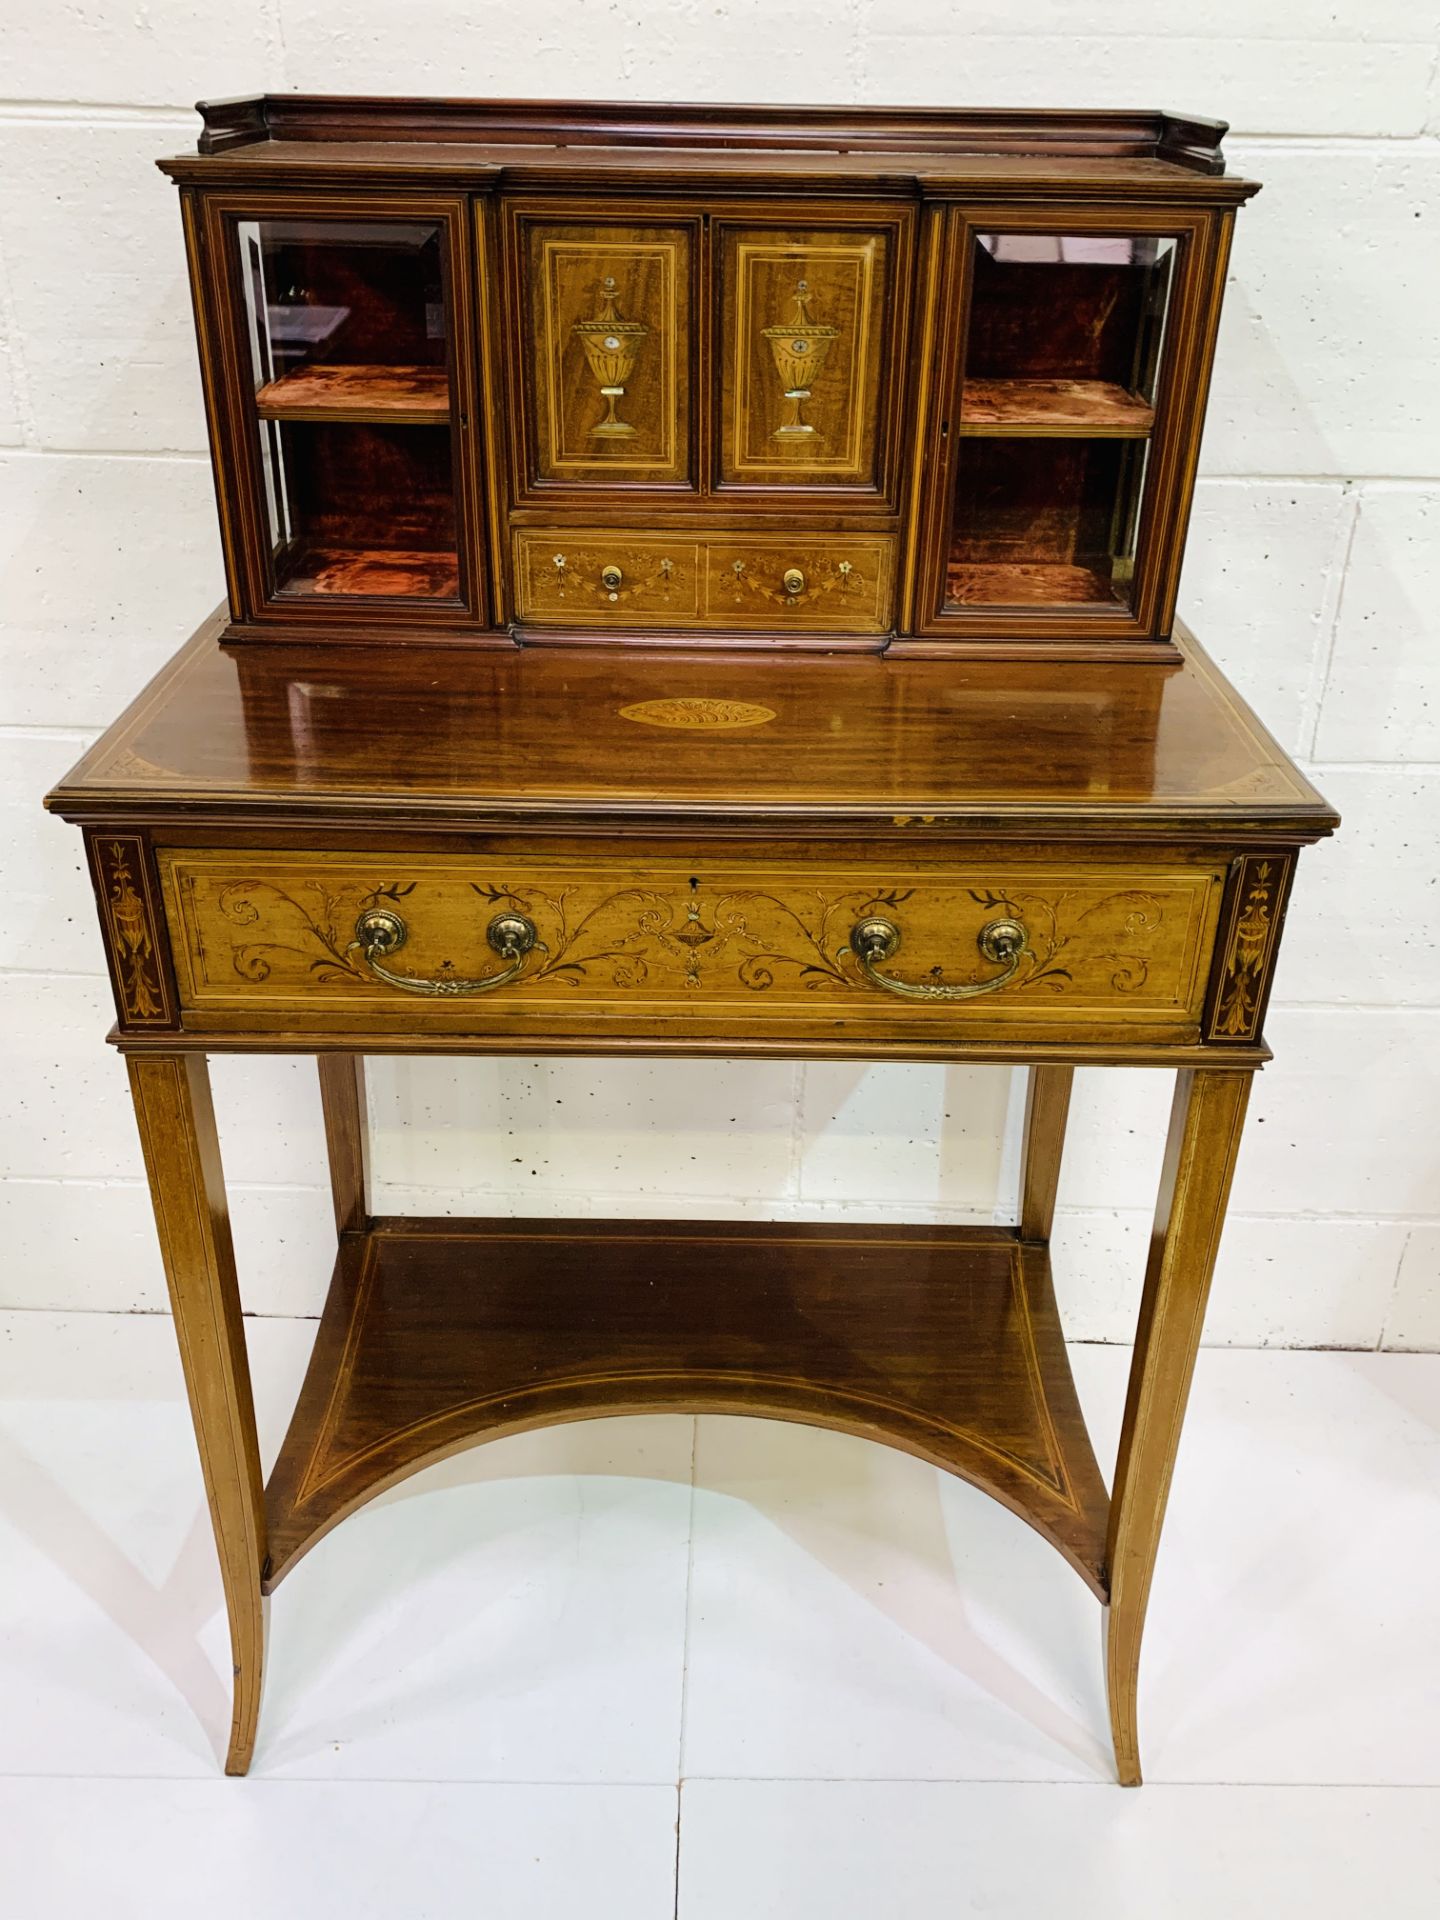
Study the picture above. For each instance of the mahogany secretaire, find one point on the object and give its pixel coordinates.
(700, 580)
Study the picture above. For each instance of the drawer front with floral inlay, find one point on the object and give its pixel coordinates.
(545, 946)
(565, 578)
(825, 583)
(834, 583)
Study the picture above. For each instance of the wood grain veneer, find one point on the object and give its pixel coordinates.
(1108, 753)
(1053, 407)
(942, 1341)
(699, 946)
(713, 324)
(565, 545)
(340, 392)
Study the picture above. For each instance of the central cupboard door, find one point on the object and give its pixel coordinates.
(808, 353)
(606, 309)
(660, 350)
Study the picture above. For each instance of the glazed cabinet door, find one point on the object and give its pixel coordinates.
(346, 331)
(1074, 358)
(602, 348)
(810, 348)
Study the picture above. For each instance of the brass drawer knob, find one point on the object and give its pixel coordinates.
(1002, 942)
(610, 578)
(379, 932)
(793, 580)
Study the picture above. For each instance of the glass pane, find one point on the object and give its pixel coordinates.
(1062, 368)
(369, 509)
(1044, 522)
(347, 331)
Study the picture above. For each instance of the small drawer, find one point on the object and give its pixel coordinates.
(547, 946)
(831, 584)
(818, 583)
(574, 579)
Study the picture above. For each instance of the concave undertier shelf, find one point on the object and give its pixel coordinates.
(944, 1342)
(1054, 408)
(394, 396)
(391, 571)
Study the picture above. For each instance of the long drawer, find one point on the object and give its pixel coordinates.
(832, 583)
(552, 946)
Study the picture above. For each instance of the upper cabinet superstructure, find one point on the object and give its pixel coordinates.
(488, 371)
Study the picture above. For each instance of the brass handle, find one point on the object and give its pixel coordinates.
(379, 932)
(610, 578)
(794, 580)
(1000, 941)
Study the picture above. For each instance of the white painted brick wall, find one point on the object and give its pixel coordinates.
(1314, 573)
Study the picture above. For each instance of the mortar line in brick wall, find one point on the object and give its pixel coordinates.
(1426, 136)
(1391, 482)
(1322, 767)
(840, 1209)
(55, 730)
(189, 455)
(50, 973)
(1350, 1219)
(19, 372)
(109, 1183)
(1123, 1343)
(1336, 574)
(273, 15)
(1382, 1338)
(856, 66)
(106, 113)
(1432, 94)
(33, 729)
(857, 1211)
(795, 1168)
(1355, 1006)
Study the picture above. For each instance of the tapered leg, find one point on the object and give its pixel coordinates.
(347, 1137)
(182, 1157)
(1047, 1106)
(1205, 1126)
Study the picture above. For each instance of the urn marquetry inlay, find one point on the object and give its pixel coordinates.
(612, 346)
(799, 347)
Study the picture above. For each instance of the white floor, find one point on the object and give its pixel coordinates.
(721, 1668)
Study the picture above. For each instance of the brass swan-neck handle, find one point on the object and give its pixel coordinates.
(1002, 942)
(379, 932)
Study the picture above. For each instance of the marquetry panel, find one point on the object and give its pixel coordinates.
(567, 578)
(608, 314)
(804, 355)
(134, 939)
(272, 935)
(1245, 953)
(826, 583)
(836, 583)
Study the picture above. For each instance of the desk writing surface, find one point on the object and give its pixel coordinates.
(602, 736)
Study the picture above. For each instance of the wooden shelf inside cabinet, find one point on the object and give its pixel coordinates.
(942, 1341)
(390, 571)
(390, 396)
(1054, 409)
(1028, 583)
